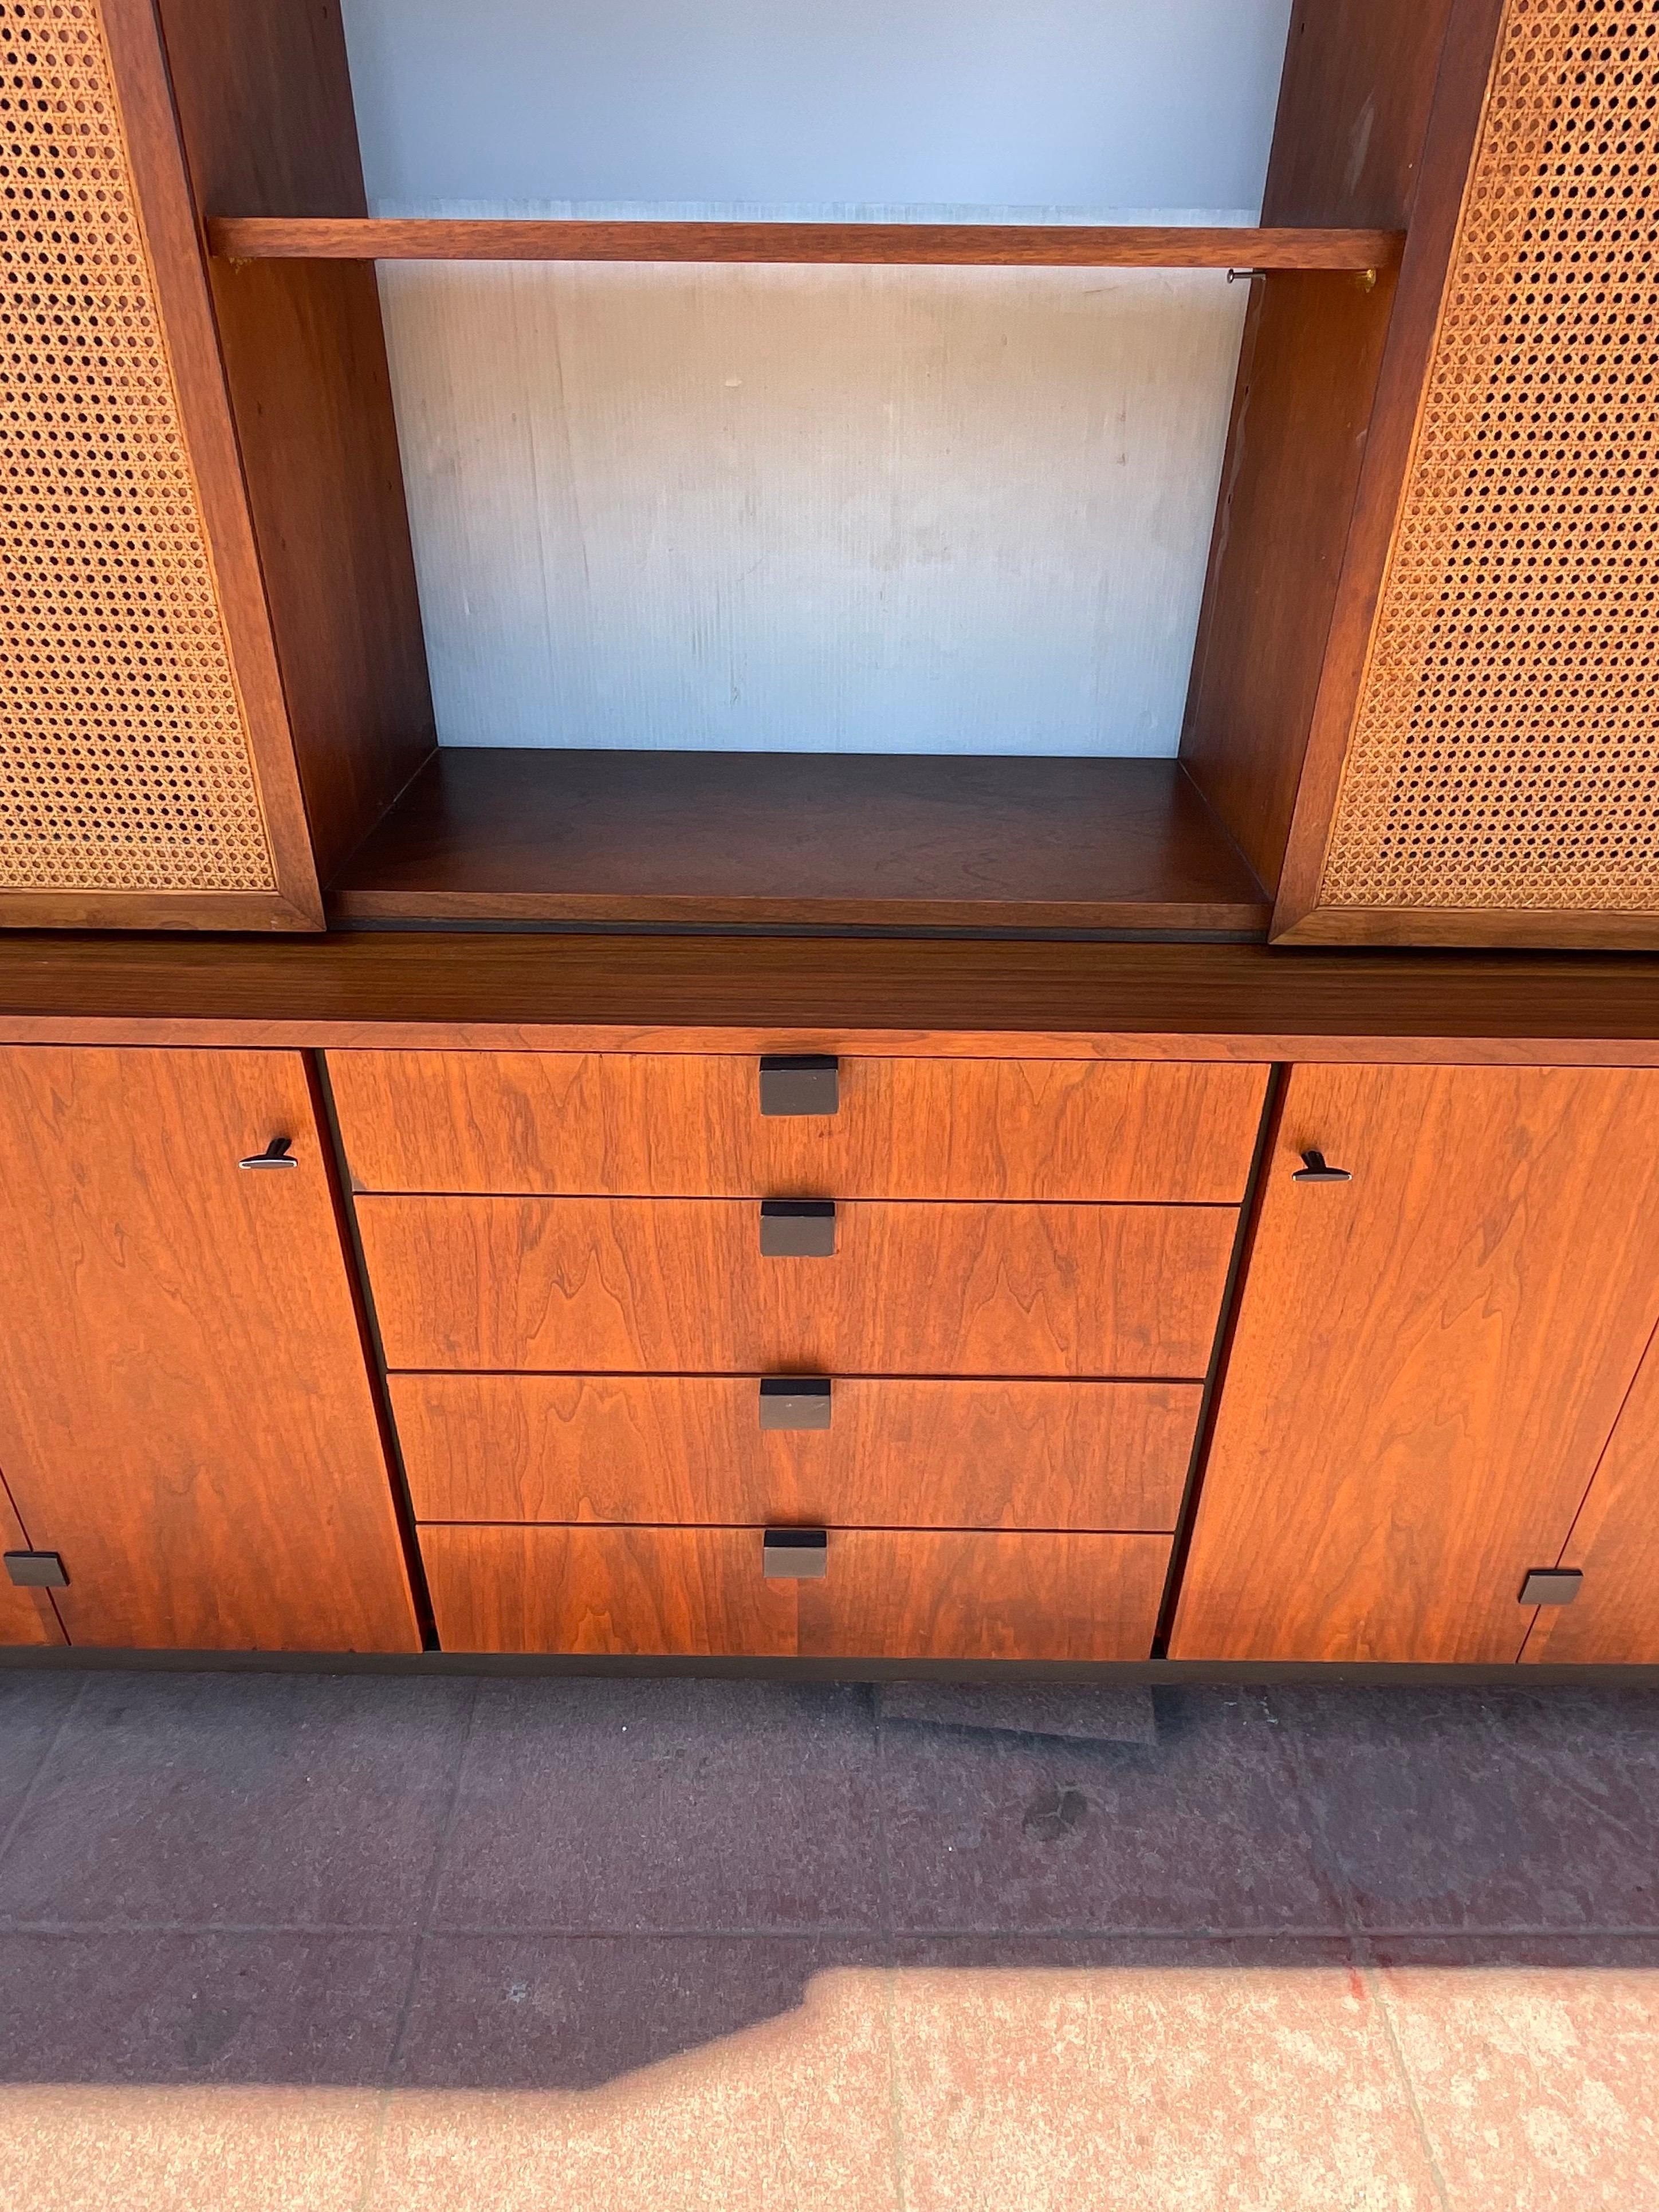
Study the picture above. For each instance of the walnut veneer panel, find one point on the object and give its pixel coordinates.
(1426, 1363)
(886, 1594)
(1615, 1618)
(680, 1286)
(626, 1124)
(959, 999)
(185, 1412)
(903, 1452)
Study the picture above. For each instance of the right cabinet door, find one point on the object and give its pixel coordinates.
(1613, 1616)
(1427, 1362)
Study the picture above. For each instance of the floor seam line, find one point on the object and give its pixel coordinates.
(418, 1958)
(895, 2144)
(376, 2146)
(47, 1751)
(1362, 1958)
(1371, 1976)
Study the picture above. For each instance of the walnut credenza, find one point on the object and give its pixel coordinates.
(606, 1298)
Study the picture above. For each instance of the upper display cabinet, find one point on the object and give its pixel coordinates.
(1419, 705)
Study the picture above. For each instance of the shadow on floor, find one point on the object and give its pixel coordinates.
(448, 1883)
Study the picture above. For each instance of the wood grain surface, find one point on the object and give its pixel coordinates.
(498, 833)
(263, 96)
(1614, 1544)
(637, 1125)
(900, 1453)
(887, 1594)
(1354, 112)
(679, 1286)
(26, 1616)
(1427, 1361)
(402, 238)
(185, 1412)
(418, 989)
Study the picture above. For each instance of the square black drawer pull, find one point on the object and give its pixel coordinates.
(1552, 1586)
(795, 1554)
(800, 1083)
(798, 1228)
(795, 1401)
(36, 1571)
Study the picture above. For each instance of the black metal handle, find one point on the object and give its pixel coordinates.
(795, 1554)
(800, 1083)
(274, 1155)
(795, 1401)
(798, 1228)
(1316, 1168)
(1552, 1586)
(36, 1571)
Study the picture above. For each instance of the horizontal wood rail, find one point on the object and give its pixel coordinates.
(1032, 246)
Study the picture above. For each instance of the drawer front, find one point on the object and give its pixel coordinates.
(908, 1453)
(680, 1286)
(644, 1125)
(886, 1594)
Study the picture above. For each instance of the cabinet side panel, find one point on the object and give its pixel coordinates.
(264, 98)
(1359, 80)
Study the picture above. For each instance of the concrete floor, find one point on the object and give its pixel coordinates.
(284, 1941)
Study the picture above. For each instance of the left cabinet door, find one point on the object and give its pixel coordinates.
(186, 1415)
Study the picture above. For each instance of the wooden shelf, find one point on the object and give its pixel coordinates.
(325, 238)
(827, 839)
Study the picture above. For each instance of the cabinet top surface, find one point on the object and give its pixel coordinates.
(594, 992)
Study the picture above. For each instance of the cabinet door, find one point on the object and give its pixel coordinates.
(1427, 1362)
(185, 1412)
(1615, 1618)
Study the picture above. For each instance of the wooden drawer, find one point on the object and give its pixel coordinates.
(679, 1286)
(887, 1594)
(644, 1125)
(906, 1453)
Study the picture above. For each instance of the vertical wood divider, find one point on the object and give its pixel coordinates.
(362, 1293)
(1249, 1211)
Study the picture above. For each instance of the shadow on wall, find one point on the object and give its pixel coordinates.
(450, 1884)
